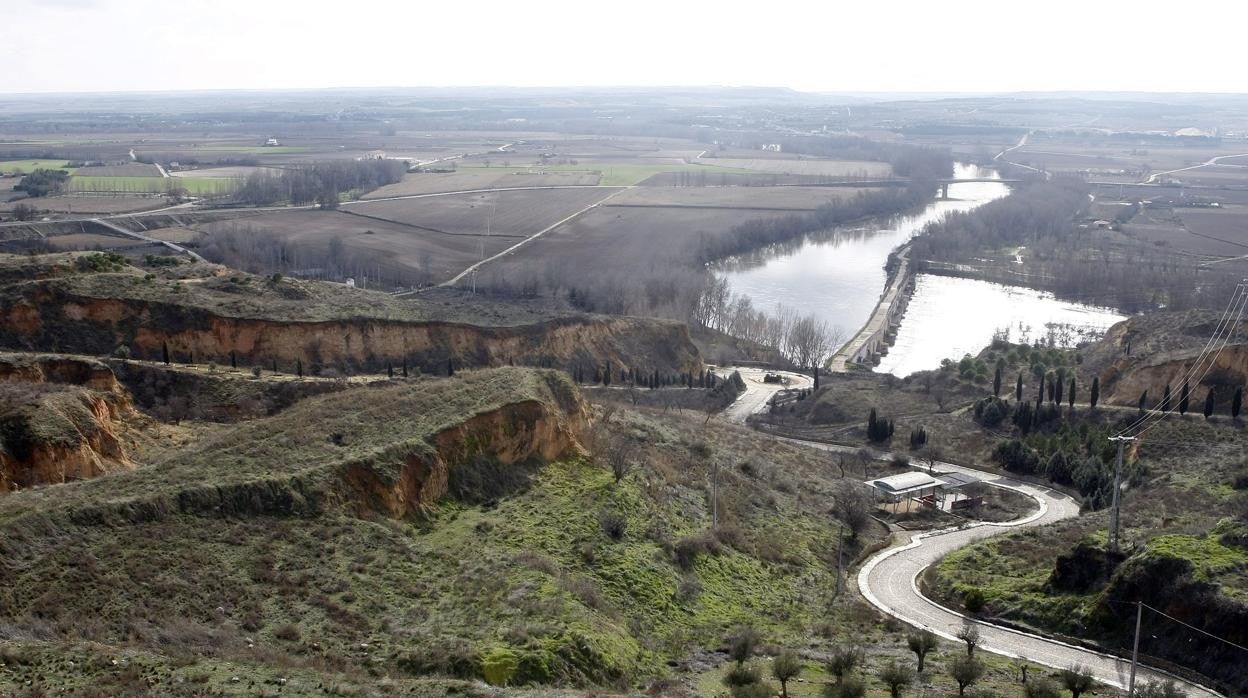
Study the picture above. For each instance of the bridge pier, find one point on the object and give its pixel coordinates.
(944, 190)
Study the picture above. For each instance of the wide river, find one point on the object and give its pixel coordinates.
(839, 275)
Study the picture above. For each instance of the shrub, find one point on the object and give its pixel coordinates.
(612, 523)
(849, 687)
(686, 550)
(973, 600)
(287, 632)
(498, 665)
(740, 675)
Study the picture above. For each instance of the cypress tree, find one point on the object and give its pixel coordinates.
(996, 382)
(1237, 403)
(606, 376)
(871, 424)
(389, 370)
(275, 365)
(405, 367)
(1071, 396)
(164, 352)
(1057, 390)
(1096, 391)
(1184, 398)
(299, 367)
(1018, 388)
(1165, 399)
(233, 359)
(816, 377)
(450, 368)
(1143, 399)
(1040, 391)
(1209, 404)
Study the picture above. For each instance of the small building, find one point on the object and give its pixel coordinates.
(270, 142)
(1101, 224)
(935, 490)
(771, 148)
(374, 155)
(910, 485)
(350, 283)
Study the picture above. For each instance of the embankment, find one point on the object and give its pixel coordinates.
(197, 327)
(873, 338)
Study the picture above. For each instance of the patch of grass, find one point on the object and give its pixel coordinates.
(615, 174)
(11, 166)
(200, 186)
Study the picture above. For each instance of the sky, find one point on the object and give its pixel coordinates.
(817, 45)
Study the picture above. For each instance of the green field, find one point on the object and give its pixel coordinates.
(8, 166)
(200, 186)
(613, 175)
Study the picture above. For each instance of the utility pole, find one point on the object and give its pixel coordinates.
(1135, 648)
(1113, 514)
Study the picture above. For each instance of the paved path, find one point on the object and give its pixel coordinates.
(757, 393)
(888, 580)
(147, 238)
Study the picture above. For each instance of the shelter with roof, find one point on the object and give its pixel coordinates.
(932, 489)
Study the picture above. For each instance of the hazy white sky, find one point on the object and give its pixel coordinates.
(827, 45)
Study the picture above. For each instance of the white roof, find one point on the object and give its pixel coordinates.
(904, 482)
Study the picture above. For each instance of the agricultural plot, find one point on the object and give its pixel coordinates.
(198, 186)
(750, 198)
(827, 168)
(236, 172)
(611, 240)
(615, 173)
(70, 204)
(10, 167)
(516, 213)
(1229, 224)
(400, 251)
(92, 241)
(178, 235)
(134, 169)
(481, 178)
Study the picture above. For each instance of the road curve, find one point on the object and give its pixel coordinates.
(889, 579)
(757, 392)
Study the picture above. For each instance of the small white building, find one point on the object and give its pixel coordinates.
(271, 142)
(350, 283)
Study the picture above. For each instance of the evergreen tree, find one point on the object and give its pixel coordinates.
(1209, 404)
(299, 367)
(1237, 403)
(1096, 391)
(996, 382)
(405, 367)
(389, 370)
(1040, 392)
(233, 359)
(816, 377)
(450, 368)
(1184, 398)
(275, 365)
(1057, 390)
(1165, 399)
(1143, 399)
(164, 352)
(606, 376)
(1070, 397)
(1018, 388)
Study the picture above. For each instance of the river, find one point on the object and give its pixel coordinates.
(839, 275)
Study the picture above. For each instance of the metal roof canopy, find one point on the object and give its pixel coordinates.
(904, 483)
(957, 480)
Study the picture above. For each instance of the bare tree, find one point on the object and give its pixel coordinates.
(970, 635)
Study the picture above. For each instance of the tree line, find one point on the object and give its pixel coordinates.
(320, 182)
(806, 340)
(759, 233)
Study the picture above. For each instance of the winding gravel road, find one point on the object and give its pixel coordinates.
(889, 579)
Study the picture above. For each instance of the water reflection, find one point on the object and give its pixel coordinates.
(839, 274)
(949, 317)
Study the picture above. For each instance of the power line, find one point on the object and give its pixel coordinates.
(1199, 630)
(1221, 336)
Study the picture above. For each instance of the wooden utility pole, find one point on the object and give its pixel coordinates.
(1135, 648)
(1113, 514)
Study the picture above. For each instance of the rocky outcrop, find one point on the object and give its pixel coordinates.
(520, 433)
(46, 315)
(1151, 352)
(59, 435)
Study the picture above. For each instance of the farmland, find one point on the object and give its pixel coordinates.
(482, 178)
(399, 254)
(519, 213)
(134, 169)
(621, 173)
(9, 167)
(198, 186)
(801, 166)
